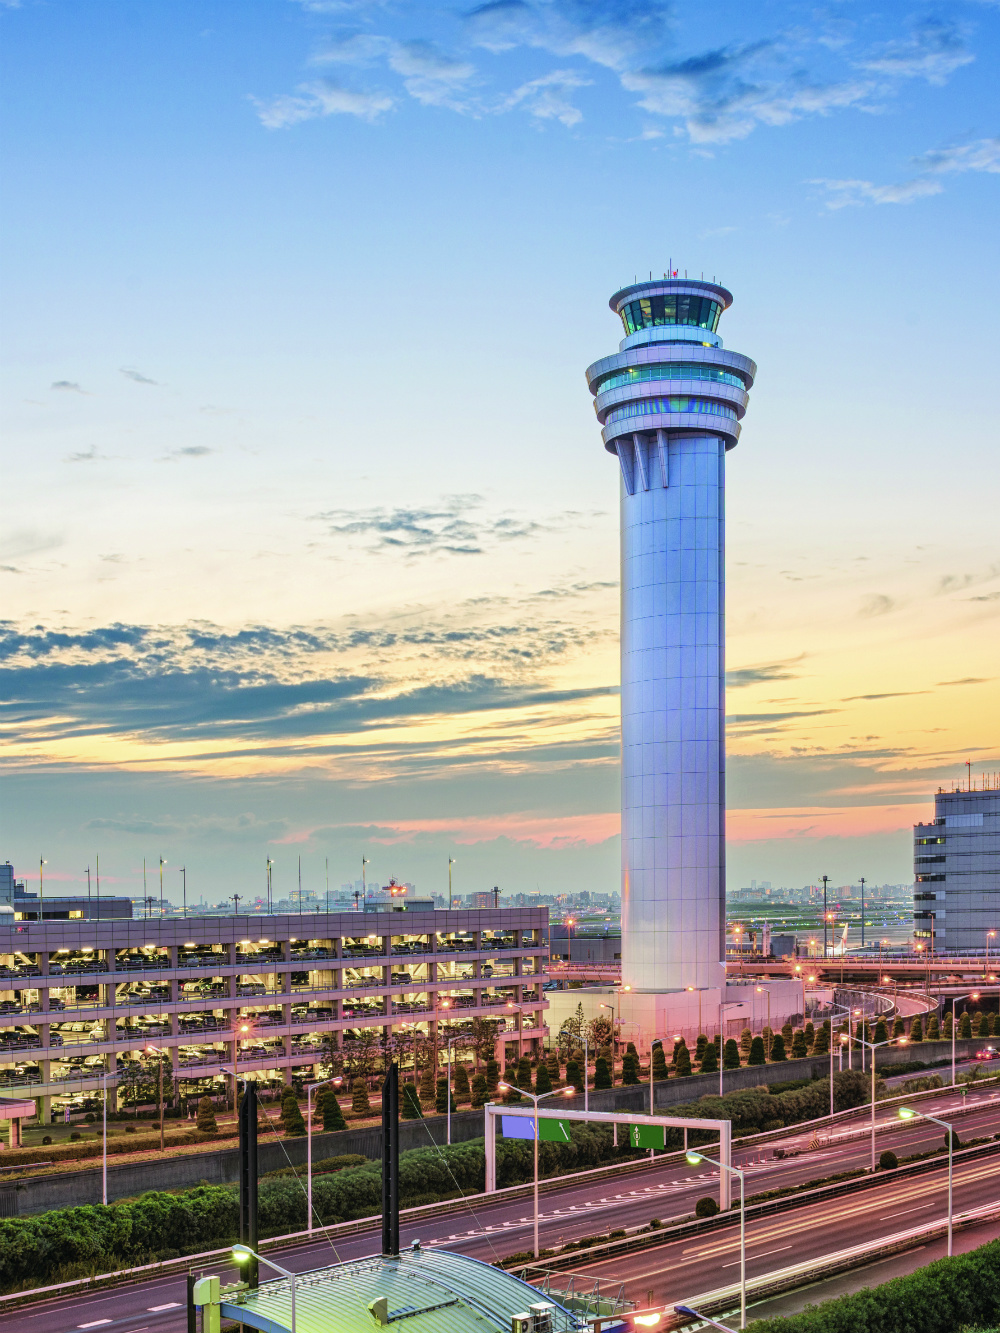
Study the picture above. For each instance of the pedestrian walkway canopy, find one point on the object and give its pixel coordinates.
(421, 1291)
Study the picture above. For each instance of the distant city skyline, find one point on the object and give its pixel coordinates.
(307, 546)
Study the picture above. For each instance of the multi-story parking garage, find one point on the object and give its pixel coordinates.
(272, 995)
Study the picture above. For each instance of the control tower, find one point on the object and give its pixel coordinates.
(670, 402)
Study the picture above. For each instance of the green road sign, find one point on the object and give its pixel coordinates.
(646, 1136)
(554, 1131)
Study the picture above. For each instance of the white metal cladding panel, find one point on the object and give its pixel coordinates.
(672, 723)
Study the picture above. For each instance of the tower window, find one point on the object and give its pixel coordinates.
(654, 311)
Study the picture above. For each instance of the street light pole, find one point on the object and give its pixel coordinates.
(729, 1004)
(184, 890)
(695, 1159)
(905, 1113)
(537, 1097)
(873, 1047)
(838, 1009)
(364, 884)
(451, 862)
(310, 1089)
(241, 1253)
(825, 879)
(862, 911)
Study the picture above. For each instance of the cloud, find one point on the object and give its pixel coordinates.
(933, 51)
(545, 97)
(428, 76)
(760, 675)
(136, 377)
(86, 456)
(68, 386)
(27, 541)
(322, 98)
(191, 451)
(967, 680)
(876, 605)
(454, 528)
(895, 694)
(983, 155)
(612, 33)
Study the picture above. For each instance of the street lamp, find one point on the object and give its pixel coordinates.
(834, 1009)
(905, 1113)
(696, 1159)
(873, 1047)
(450, 1043)
(729, 1004)
(311, 1088)
(537, 1097)
(697, 1314)
(241, 1253)
(990, 935)
(760, 991)
(954, 1025)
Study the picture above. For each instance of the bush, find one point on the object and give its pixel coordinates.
(746, 1040)
(710, 1060)
(888, 1161)
(76, 1136)
(428, 1082)
(360, 1105)
(881, 1032)
(291, 1117)
(757, 1053)
(492, 1075)
(409, 1108)
(800, 1048)
(917, 1030)
(659, 1061)
(206, 1117)
(552, 1064)
(965, 1026)
(602, 1074)
(47, 1138)
(543, 1079)
(90, 1118)
(778, 1048)
(933, 1028)
(706, 1207)
(443, 1096)
(898, 1027)
(333, 1116)
(630, 1070)
(463, 1092)
(682, 1059)
(699, 1047)
(480, 1093)
(731, 1055)
(131, 1129)
(574, 1079)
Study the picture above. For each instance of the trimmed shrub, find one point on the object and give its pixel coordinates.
(206, 1116)
(682, 1059)
(731, 1055)
(333, 1116)
(699, 1047)
(981, 1027)
(574, 1079)
(706, 1207)
(746, 1040)
(524, 1074)
(480, 1093)
(630, 1069)
(428, 1082)
(821, 1042)
(659, 1061)
(898, 1027)
(933, 1028)
(787, 1034)
(757, 1053)
(442, 1095)
(778, 1048)
(888, 1161)
(552, 1064)
(965, 1025)
(800, 1048)
(810, 1033)
(463, 1091)
(291, 1116)
(710, 1060)
(410, 1102)
(881, 1031)
(492, 1075)
(543, 1079)
(360, 1105)
(602, 1074)
(917, 1030)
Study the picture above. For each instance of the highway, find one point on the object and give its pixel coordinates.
(583, 1207)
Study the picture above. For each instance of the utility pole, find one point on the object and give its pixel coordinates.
(825, 879)
(88, 895)
(236, 899)
(451, 862)
(41, 889)
(862, 911)
(364, 885)
(270, 863)
(184, 890)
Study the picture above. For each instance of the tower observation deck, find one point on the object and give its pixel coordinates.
(670, 403)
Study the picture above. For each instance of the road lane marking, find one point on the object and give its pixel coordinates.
(764, 1255)
(903, 1211)
(95, 1323)
(170, 1305)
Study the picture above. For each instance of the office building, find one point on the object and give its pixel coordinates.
(956, 872)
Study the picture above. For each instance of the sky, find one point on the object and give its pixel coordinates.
(309, 542)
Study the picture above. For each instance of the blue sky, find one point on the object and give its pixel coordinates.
(310, 544)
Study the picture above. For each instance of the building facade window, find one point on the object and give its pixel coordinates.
(653, 311)
(672, 370)
(641, 407)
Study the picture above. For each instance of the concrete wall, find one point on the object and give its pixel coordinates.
(126, 1179)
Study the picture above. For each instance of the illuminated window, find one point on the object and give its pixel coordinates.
(655, 311)
(644, 406)
(676, 370)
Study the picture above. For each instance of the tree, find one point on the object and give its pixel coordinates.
(333, 1116)
(572, 1032)
(810, 1034)
(600, 1032)
(442, 1094)
(933, 1028)
(956, 1142)
(682, 1059)
(659, 1061)
(630, 1068)
(965, 1025)
(731, 1055)
(602, 1074)
(492, 1074)
(821, 1044)
(916, 1030)
(710, 1060)
(757, 1055)
(574, 1079)
(981, 1027)
(543, 1079)
(428, 1080)
(778, 1048)
(699, 1047)
(881, 1031)
(553, 1066)
(787, 1033)
(898, 1027)
(767, 1034)
(410, 1108)
(291, 1116)
(480, 1092)
(360, 1105)
(463, 1092)
(483, 1039)
(800, 1048)
(206, 1116)
(746, 1040)
(524, 1074)
(362, 1055)
(706, 1207)
(511, 1093)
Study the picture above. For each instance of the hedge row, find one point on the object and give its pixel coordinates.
(943, 1297)
(118, 1146)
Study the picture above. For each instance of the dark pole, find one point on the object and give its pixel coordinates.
(825, 878)
(390, 1163)
(192, 1313)
(248, 1176)
(862, 911)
